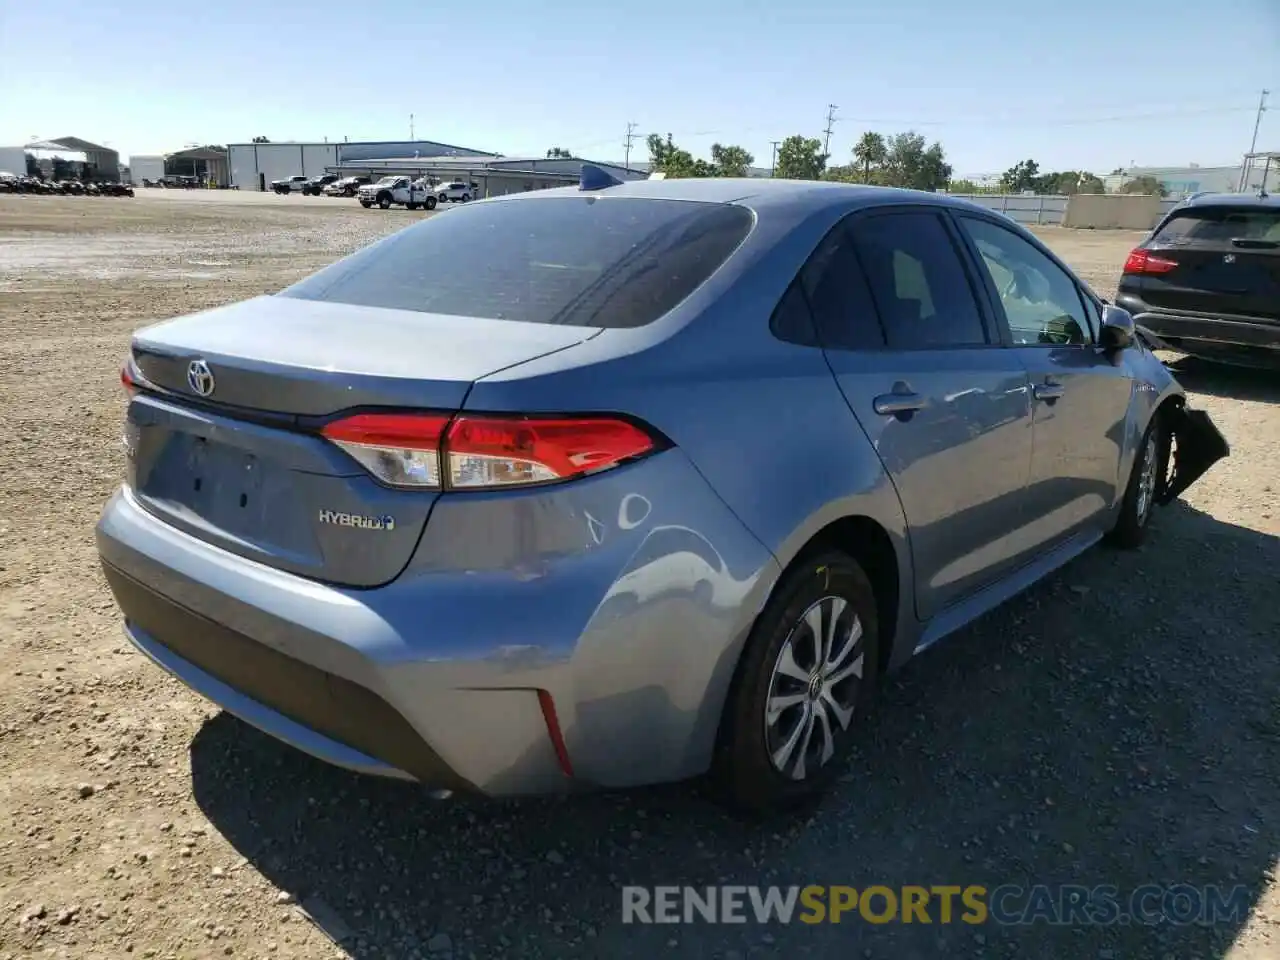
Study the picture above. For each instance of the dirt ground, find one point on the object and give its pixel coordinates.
(1118, 724)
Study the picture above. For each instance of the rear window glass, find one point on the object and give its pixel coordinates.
(1220, 225)
(579, 261)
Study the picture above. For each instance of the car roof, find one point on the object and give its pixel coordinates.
(1263, 201)
(761, 192)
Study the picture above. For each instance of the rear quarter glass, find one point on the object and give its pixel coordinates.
(579, 261)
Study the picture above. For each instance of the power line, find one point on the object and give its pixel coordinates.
(831, 118)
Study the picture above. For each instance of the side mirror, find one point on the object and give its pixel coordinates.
(1118, 330)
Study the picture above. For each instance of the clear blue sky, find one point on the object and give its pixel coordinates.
(1092, 84)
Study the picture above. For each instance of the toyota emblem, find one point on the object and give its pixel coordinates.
(200, 378)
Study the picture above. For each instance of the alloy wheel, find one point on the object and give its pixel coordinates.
(1147, 476)
(814, 687)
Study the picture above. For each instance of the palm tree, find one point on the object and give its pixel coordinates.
(870, 149)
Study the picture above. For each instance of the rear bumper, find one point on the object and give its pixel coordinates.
(607, 594)
(1176, 329)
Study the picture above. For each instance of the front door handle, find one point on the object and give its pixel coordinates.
(897, 404)
(1048, 392)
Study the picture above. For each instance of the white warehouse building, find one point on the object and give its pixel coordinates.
(252, 166)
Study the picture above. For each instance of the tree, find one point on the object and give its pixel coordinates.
(870, 151)
(1145, 184)
(963, 186)
(260, 140)
(1020, 177)
(801, 158)
(730, 161)
(559, 153)
(909, 163)
(665, 157)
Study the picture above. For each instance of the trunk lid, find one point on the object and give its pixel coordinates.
(241, 466)
(1228, 263)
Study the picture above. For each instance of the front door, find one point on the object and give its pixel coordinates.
(1081, 397)
(945, 406)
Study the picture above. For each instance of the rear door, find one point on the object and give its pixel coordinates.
(1223, 260)
(944, 405)
(1081, 399)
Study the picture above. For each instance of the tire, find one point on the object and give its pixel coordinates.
(430, 203)
(466, 197)
(366, 204)
(745, 770)
(443, 198)
(384, 201)
(1150, 465)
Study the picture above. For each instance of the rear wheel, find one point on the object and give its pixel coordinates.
(805, 683)
(1150, 466)
(466, 197)
(430, 203)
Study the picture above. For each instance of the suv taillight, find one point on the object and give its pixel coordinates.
(1142, 261)
(469, 452)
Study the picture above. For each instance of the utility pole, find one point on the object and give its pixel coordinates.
(1246, 165)
(831, 119)
(626, 144)
(773, 164)
(411, 128)
(1262, 108)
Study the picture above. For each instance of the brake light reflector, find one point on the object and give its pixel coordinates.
(127, 381)
(1142, 261)
(400, 449)
(500, 452)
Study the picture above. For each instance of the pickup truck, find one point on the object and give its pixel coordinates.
(411, 194)
(315, 185)
(291, 184)
(346, 187)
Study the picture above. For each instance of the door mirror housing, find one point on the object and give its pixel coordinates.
(1118, 329)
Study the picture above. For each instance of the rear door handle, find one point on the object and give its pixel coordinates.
(1048, 392)
(894, 404)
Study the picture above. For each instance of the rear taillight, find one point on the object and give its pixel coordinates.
(1142, 261)
(429, 451)
(401, 449)
(129, 378)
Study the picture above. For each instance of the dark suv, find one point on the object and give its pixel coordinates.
(1207, 280)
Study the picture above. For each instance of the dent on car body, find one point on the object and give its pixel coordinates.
(1196, 445)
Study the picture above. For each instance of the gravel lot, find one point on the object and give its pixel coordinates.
(1118, 724)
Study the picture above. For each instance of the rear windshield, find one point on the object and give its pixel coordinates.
(581, 261)
(1220, 225)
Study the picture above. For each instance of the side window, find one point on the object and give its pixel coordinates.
(791, 320)
(918, 281)
(1040, 300)
(844, 315)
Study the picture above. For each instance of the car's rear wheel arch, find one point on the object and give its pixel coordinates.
(869, 544)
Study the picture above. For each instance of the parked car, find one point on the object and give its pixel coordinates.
(622, 484)
(8, 182)
(455, 192)
(1206, 282)
(294, 184)
(347, 186)
(315, 185)
(412, 194)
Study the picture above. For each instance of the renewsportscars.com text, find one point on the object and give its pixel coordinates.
(1009, 904)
